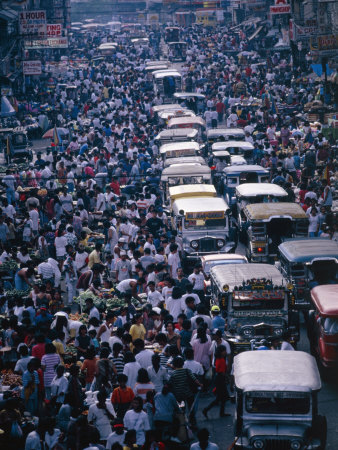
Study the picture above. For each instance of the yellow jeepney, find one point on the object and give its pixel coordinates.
(192, 190)
(268, 224)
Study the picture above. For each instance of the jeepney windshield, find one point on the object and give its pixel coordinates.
(258, 300)
(205, 220)
(174, 181)
(277, 402)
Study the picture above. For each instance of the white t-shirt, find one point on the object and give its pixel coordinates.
(174, 307)
(195, 297)
(138, 422)
(174, 262)
(34, 215)
(60, 245)
(195, 367)
(154, 298)
(80, 260)
(197, 280)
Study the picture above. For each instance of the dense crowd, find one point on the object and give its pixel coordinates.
(92, 227)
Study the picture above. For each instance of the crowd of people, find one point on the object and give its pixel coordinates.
(92, 224)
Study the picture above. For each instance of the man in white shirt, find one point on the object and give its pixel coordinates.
(143, 357)
(197, 280)
(154, 296)
(93, 311)
(34, 215)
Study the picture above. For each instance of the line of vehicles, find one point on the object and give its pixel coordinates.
(216, 196)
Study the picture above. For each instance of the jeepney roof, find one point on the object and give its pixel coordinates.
(171, 28)
(190, 169)
(176, 121)
(154, 68)
(215, 132)
(177, 42)
(192, 190)
(266, 211)
(325, 299)
(179, 112)
(166, 73)
(253, 189)
(164, 107)
(240, 144)
(184, 95)
(238, 169)
(188, 145)
(190, 133)
(234, 274)
(157, 62)
(185, 160)
(266, 370)
(220, 153)
(237, 160)
(222, 257)
(199, 205)
(308, 250)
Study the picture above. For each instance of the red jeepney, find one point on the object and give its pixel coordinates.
(323, 324)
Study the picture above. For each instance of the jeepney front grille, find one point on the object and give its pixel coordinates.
(207, 245)
(277, 444)
(263, 331)
(240, 347)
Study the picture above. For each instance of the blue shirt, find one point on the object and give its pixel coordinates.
(219, 323)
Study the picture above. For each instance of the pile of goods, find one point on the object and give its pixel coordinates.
(9, 378)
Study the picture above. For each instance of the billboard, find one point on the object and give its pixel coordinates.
(31, 67)
(32, 23)
(54, 29)
(49, 43)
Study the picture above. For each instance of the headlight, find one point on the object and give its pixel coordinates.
(248, 332)
(278, 331)
(295, 445)
(258, 443)
(220, 243)
(194, 244)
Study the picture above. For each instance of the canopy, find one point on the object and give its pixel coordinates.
(6, 108)
(326, 299)
(61, 132)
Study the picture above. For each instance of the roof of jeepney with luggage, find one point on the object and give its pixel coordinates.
(268, 211)
(199, 205)
(232, 275)
(253, 189)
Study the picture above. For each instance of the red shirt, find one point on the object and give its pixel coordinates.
(220, 365)
(38, 350)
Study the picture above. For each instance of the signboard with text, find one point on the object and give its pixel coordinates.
(31, 67)
(325, 44)
(32, 23)
(54, 29)
(49, 43)
(280, 7)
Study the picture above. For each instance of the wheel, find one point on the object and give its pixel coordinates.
(320, 430)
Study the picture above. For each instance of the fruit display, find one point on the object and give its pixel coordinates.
(17, 293)
(10, 379)
(8, 266)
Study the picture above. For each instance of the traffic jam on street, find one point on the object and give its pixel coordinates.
(168, 231)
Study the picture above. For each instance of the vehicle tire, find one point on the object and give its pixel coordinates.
(320, 430)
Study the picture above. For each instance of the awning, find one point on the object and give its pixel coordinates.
(6, 108)
(259, 29)
(8, 14)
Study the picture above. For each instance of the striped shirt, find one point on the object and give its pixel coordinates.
(118, 363)
(50, 361)
(180, 382)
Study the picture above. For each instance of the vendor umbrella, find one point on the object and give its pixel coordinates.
(50, 133)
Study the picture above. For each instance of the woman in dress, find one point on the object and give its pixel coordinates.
(100, 416)
(49, 363)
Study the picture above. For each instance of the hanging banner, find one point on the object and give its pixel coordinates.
(31, 67)
(32, 23)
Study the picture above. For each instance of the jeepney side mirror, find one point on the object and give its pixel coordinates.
(181, 212)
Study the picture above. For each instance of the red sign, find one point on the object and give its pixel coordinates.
(54, 29)
(286, 9)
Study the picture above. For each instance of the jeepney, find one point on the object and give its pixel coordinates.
(204, 226)
(192, 100)
(276, 401)
(256, 302)
(171, 34)
(323, 325)
(241, 148)
(233, 176)
(167, 82)
(188, 122)
(191, 190)
(220, 259)
(248, 193)
(236, 160)
(176, 135)
(307, 263)
(184, 160)
(224, 134)
(177, 149)
(179, 174)
(20, 148)
(177, 51)
(220, 159)
(268, 224)
(168, 114)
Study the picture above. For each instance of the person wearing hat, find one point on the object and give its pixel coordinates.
(123, 267)
(118, 435)
(217, 321)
